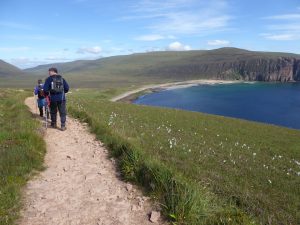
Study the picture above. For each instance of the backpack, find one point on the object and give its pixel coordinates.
(57, 85)
(40, 91)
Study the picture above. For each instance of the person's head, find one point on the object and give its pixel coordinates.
(40, 81)
(52, 71)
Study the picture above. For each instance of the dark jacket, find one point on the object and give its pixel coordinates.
(55, 97)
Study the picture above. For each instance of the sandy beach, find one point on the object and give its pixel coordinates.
(168, 86)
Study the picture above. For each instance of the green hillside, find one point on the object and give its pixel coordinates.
(158, 67)
(204, 169)
(161, 67)
(8, 70)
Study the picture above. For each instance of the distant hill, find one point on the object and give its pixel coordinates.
(223, 63)
(7, 70)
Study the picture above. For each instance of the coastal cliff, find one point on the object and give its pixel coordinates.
(246, 66)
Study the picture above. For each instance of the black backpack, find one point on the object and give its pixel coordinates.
(57, 84)
(40, 91)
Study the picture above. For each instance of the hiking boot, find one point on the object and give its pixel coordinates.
(53, 126)
(63, 128)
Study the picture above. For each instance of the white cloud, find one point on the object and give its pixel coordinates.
(15, 25)
(153, 37)
(14, 49)
(218, 42)
(177, 46)
(25, 62)
(285, 27)
(56, 58)
(150, 37)
(92, 50)
(281, 37)
(183, 16)
(284, 17)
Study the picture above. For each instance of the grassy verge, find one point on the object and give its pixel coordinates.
(204, 169)
(21, 150)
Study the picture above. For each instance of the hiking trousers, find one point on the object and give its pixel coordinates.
(41, 104)
(59, 106)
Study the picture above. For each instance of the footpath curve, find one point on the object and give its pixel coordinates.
(80, 184)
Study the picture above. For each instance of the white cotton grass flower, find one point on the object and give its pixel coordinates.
(298, 163)
(254, 153)
(270, 181)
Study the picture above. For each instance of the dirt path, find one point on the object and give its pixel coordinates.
(80, 184)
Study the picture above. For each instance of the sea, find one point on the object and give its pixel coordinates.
(271, 103)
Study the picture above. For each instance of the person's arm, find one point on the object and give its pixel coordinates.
(66, 86)
(35, 90)
(47, 86)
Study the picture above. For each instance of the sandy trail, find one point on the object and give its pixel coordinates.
(80, 184)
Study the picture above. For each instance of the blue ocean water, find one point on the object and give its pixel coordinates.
(273, 103)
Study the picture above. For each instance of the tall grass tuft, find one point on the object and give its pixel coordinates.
(22, 151)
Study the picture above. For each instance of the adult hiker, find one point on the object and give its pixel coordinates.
(38, 90)
(55, 87)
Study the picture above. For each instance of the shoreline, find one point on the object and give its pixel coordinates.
(130, 96)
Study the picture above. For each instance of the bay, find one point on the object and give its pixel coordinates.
(272, 103)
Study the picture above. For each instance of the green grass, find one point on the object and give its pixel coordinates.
(22, 150)
(204, 169)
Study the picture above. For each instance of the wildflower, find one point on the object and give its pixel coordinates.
(298, 163)
(254, 154)
(270, 181)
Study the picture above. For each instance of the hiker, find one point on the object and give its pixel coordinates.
(38, 90)
(55, 87)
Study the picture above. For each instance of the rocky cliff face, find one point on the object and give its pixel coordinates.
(282, 69)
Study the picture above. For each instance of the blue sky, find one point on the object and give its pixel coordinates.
(44, 31)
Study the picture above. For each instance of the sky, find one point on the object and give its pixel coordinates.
(44, 32)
